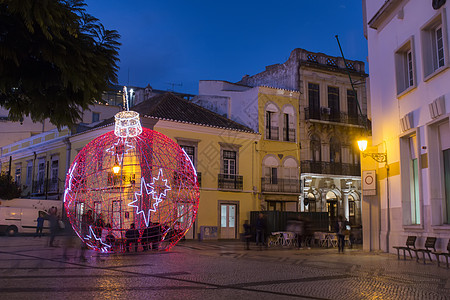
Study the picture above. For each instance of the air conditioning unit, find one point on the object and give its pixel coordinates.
(437, 107)
(407, 122)
(325, 110)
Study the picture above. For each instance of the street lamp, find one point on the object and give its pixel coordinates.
(116, 169)
(379, 157)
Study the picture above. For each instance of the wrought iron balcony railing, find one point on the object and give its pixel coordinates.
(230, 182)
(325, 114)
(321, 167)
(280, 185)
(41, 187)
(272, 133)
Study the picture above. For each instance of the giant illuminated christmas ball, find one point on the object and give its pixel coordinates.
(132, 177)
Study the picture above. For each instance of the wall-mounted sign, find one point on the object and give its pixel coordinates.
(369, 182)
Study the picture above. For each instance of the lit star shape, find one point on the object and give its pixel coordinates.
(127, 146)
(139, 195)
(157, 191)
(92, 240)
(69, 188)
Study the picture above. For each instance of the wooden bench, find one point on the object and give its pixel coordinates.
(410, 245)
(430, 244)
(446, 255)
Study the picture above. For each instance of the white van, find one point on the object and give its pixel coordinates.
(20, 215)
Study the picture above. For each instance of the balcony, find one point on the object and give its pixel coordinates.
(324, 114)
(272, 133)
(230, 182)
(280, 185)
(289, 134)
(322, 167)
(49, 186)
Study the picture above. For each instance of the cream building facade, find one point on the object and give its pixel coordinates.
(408, 44)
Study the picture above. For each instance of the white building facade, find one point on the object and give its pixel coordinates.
(409, 61)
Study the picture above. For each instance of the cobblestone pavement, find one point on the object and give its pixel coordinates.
(214, 270)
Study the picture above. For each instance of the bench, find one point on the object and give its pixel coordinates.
(430, 243)
(446, 255)
(410, 245)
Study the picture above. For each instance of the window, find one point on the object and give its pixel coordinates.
(333, 104)
(18, 174)
(40, 176)
(352, 107)
(53, 186)
(289, 123)
(439, 44)
(314, 101)
(229, 162)
(272, 115)
(409, 164)
(405, 66)
(95, 117)
(439, 162)
(190, 151)
(414, 181)
(444, 137)
(434, 45)
(316, 148)
(335, 150)
(29, 173)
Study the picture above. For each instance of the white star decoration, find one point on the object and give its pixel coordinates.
(92, 240)
(127, 146)
(150, 189)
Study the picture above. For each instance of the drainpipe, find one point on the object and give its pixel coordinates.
(33, 171)
(388, 215)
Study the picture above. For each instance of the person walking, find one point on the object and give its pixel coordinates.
(247, 234)
(53, 219)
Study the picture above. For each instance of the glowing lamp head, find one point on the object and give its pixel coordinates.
(116, 169)
(362, 145)
(127, 124)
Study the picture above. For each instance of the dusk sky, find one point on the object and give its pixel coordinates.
(175, 43)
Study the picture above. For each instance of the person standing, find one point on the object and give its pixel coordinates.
(260, 230)
(132, 236)
(39, 225)
(340, 227)
(86, 221)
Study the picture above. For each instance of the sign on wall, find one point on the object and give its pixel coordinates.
(369, 183)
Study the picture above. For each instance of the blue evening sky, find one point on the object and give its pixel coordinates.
(176, 43)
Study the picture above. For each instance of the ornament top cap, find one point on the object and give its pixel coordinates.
(127, 124)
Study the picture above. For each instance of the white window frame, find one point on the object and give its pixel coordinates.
(438, 205)
(410, 216)
(405, 67)
(430, 56)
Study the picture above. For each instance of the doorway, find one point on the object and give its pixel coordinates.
(228, 221)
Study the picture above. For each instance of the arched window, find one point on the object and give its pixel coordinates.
(270, 169)
(272, 124)
(290, 176)
(335, 150)
(316, 152)
(289, 123)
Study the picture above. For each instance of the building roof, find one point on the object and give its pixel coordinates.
(173, 108)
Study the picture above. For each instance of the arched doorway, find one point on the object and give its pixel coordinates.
(332, 208)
